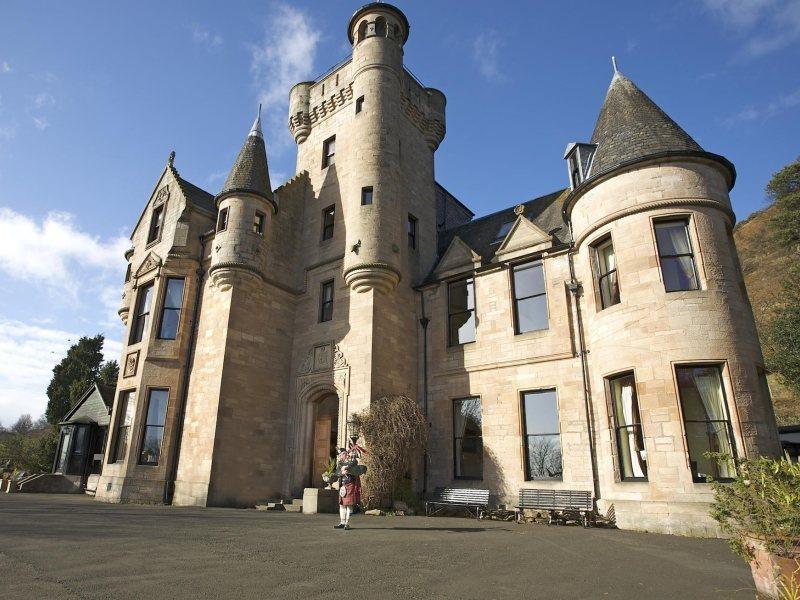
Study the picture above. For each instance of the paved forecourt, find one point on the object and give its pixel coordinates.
(73, 547)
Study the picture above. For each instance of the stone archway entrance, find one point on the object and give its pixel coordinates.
(325, 437)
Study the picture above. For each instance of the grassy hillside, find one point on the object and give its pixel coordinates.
(763, 260)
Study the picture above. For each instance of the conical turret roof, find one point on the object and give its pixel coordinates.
(631, 127)
(250, 172)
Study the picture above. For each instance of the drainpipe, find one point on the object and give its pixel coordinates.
(424, 323)
(169, 488)
(575, 289)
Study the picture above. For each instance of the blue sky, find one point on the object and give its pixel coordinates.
(94, 96)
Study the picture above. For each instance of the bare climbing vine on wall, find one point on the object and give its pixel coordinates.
(395, 433)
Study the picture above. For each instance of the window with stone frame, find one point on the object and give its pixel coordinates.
(628, 428)
(706, 422)
(676, 256)
(222, 219)
(326, 301)
(467, 439)
(366, 196)
(156, 224)
(125, 411)
(141, 317)
(461, 311)
(171, 309)
(606, 272)
(328, 215)
(258, 223)
(128, 272)
(359, 104)
(329, 152)
(530, 297)
(543, 458)
(153, 435)
(412, 231)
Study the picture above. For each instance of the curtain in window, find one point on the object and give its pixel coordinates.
(633, 446)
(677, 260)
(709, 386)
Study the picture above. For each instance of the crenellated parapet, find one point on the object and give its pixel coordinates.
(302, 116)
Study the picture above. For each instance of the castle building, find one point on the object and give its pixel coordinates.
(596, 338)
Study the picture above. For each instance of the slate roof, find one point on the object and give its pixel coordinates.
(93, 407)
(250, 172)
(631, 127)
(479, 234)
(197, 196)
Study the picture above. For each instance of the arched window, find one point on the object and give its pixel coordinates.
(380, 27)
(362, 30)
(396, 31)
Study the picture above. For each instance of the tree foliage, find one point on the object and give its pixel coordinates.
(782, 339)
(29, 445)
(784, 190)
(82, 366)
(395, 433)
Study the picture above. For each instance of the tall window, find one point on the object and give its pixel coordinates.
(327, 222)
(128, 270)
(628, 425)
(171, 311)
(154, 427)
(140, 319)
(542, 435)
(467, 439)
(326, 302)
(156, 224)
(676, 255)
(706, 421)
(329, 152)
(359, 104)
(461, 311)
(258, 223)
(366, 196)
(222, 219)
(607, 273)
(125, 410)
(530, 297)
(412, 231)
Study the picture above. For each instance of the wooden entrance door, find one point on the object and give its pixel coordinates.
(325, 437)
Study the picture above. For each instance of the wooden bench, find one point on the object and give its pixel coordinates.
(473, 500)
(561, 504)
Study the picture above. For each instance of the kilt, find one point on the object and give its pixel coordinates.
(352, 493)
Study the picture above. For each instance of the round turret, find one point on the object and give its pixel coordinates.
(244, 207)
(299, 118)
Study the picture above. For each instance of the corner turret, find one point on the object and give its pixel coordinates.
(242, 208)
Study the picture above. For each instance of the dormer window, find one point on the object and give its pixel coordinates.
(502, 232)
(579, 162)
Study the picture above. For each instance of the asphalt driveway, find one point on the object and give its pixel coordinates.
(73, 547)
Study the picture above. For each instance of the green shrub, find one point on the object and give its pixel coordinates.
(762, 502)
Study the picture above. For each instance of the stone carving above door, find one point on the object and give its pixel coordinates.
(321, 358)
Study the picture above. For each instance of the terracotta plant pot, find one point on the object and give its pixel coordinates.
(769, 569)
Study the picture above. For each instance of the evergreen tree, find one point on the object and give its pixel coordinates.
(784, 190)
(73, 375)
(109, 373)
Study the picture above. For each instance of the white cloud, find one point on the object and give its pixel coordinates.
(55, 251)
(41, 123)
(7, 132)
(28, 354)
(285, 56)
(766, 25)
(203, 36)
(767, 111)
(216, 176)
(44, 100)
(5, 67)
(485, 51)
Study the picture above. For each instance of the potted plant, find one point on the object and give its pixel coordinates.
(760, 511)
(329, 476)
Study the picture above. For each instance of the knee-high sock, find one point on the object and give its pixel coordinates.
(347, 512)
(343, 514)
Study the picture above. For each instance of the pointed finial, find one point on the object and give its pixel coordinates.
(614, 64)
(255, 130)
(171, 159)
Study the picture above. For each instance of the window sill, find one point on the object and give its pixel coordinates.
(535, 333)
